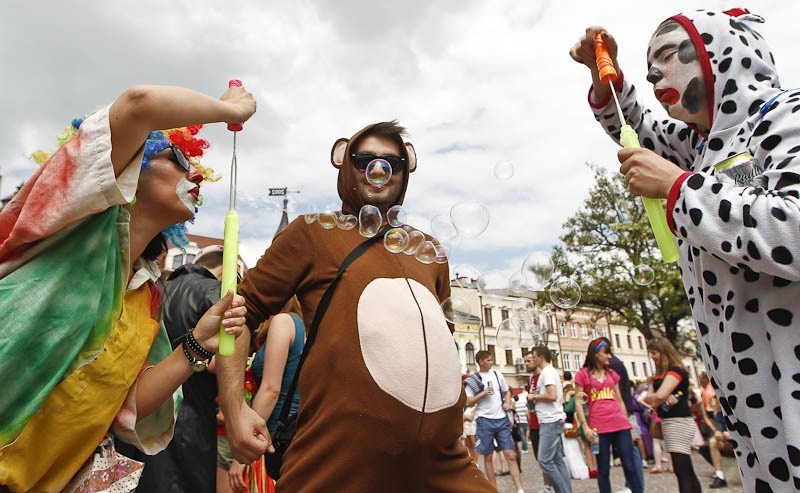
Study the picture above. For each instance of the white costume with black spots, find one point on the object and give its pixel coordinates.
(740, 246)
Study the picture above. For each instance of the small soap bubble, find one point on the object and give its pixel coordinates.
(565, 293)
(442, 228)
(503, 170)
(347, 221)
(395, 240)
(643, 275)
(470, 218)
(581, 398)
(456, 309)
(369, 221)
(537, 269)
(378, 172)
(441, 254)
(415, 240)
(310, 218)
(327, 219)
(396, 216)
(426, 252)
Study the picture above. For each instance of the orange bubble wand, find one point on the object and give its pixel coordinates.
(629, 139)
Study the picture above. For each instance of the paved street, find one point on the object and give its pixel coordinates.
(655, 483)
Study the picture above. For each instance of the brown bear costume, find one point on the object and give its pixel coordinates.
(381, 400)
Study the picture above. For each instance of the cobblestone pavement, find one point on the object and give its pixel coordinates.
(655, 483)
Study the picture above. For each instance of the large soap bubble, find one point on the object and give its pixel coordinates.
(507, 335)
(378, 172)
(369, 221)
(426, 252)
(415, 240)
(465, 275)
(347, 221)
(396, 216)
(470, 218)
(493, 282)
(565, 293)
(442, 229)
(395, 240)
(517, 284)
(456, 309)
(537, 269)
(328, 216)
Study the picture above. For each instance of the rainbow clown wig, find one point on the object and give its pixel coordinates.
(184, 138)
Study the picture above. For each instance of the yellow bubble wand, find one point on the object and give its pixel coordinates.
(230, 249)
(629, 139)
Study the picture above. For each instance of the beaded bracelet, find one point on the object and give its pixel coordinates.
(197, 348)
(198, 365)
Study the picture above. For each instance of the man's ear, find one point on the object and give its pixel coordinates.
(412, 157)
(338, 152)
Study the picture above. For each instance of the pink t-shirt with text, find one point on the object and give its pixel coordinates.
(605, 413)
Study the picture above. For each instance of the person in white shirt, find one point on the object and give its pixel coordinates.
(521, 408)
(548, 398)
(493, 401)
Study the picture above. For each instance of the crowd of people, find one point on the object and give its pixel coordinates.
(344, 373)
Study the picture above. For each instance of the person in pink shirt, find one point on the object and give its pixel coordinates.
(608, 420)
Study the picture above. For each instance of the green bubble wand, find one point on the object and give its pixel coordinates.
(629, 139)
(230, 249)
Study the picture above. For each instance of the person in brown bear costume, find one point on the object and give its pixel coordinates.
(381, 399)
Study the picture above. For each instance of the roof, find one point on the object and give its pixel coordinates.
(204, 241)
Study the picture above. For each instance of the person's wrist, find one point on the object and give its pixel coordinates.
(199, 344)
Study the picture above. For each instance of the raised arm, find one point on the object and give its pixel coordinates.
(142, 109)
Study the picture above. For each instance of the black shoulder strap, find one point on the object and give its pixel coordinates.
(324, 302)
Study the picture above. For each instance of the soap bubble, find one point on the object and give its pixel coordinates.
(469, 218)
(310, 218)
(327, 218)
(456, 309)
(442, 228)
(415, 240)
(347, 221)
(426, 252)
(369, 221)
(395, 240)
(396, 216)
(523, 304)
(465, 275)
(504, 170)
(581, 398)
(507, 335)
(516, 283)
(643, 275)
(441, 254)
(565, 292)
(494, 282)
(537, 269)
(378, 172)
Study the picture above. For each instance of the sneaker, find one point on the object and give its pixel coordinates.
(718, 483)
(546, 489)
(645, 465)
(656, 470)
(524, 451)
(624, 490)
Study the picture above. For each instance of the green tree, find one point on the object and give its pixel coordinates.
(602, 244)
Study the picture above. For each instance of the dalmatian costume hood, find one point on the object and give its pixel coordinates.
(381, 399)
(740, 245)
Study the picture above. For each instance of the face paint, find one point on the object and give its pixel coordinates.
(676, 74)
(187, 192)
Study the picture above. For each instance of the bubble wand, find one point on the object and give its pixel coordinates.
(230, 249)
(629, 139)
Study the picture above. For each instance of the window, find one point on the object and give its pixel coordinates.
(641, 342)
(604, 331)
(177, 261)
(563, 326)
(525, 352)
(565, 357)
(616, 338)
(630, 341)
(469, 351)
(503, 314)
(585, 331)
(578, 362)
(594, 332)
(189, 258)
(490, 349)
(633, 367)
(509, 357)
(573, 330)
(644, 369)
(487, 316)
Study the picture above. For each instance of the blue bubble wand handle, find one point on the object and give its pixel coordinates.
(629, 139)
(230, 250)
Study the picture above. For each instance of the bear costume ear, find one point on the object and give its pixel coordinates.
(412, 157)
(338, 151)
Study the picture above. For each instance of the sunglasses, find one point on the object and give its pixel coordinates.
(362, 159)
(180, 159)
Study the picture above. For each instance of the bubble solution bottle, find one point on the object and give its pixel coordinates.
(596, 442)
(664, 407)
(490, 388)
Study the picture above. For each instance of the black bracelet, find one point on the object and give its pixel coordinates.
(198, 365)
(197, 348)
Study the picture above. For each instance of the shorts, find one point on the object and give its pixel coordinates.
(224, 456)
(637, 431)
(491, 430)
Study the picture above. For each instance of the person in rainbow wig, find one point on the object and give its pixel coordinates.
(83, 352)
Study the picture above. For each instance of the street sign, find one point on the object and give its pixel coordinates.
(277, 192)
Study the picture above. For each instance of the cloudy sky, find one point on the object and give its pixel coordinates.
(475, 83)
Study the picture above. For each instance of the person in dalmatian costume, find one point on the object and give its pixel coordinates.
(740, 244)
